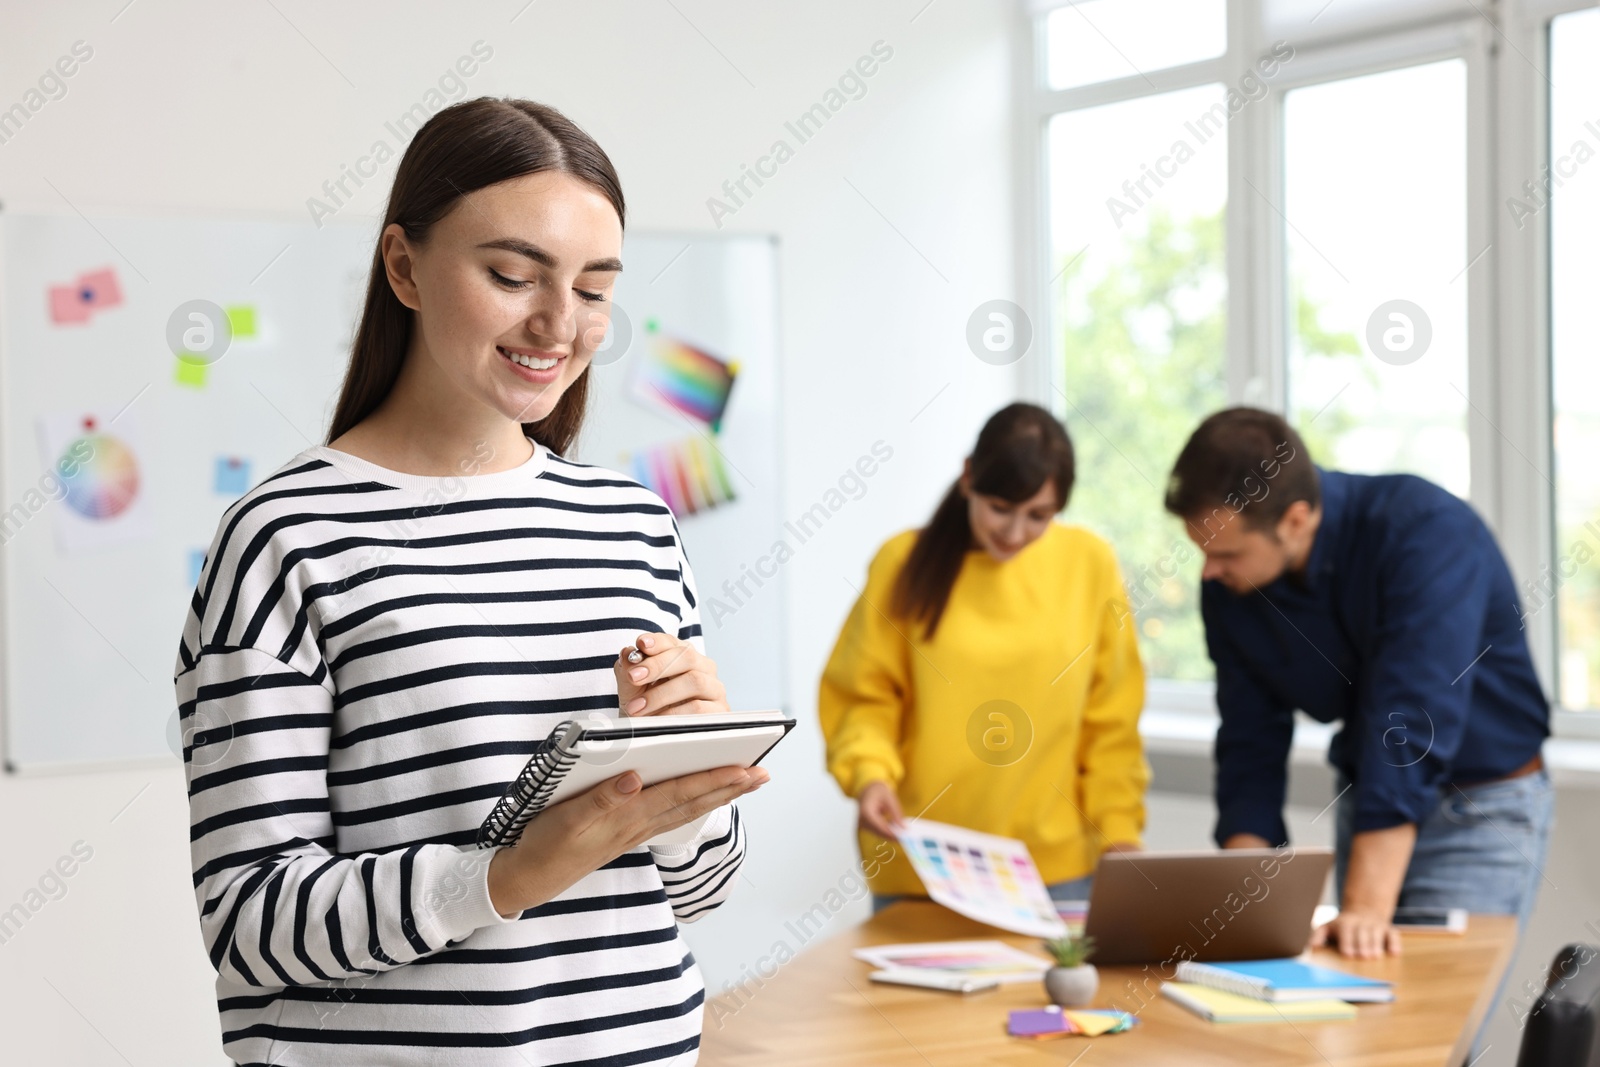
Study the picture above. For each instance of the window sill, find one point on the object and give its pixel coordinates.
(1188, 732)
(1573, 761)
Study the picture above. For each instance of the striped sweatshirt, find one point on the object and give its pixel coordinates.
(369, 659)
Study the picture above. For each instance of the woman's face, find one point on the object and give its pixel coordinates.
(1002, 528)
(513, 289)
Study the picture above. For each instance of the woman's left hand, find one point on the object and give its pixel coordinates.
(672, 679)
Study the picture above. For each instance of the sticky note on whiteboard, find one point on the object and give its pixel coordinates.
(232, 476)
(100, 288)
(190, 372)
(67, 306)
(242, 320)
(93, 291)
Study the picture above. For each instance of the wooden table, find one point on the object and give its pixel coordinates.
(820, 1009)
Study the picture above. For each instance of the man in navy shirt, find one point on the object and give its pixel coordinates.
(1383, 603)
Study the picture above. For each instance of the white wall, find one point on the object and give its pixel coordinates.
(895, 221)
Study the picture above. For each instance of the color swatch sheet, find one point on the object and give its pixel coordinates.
(680, 377)
(687, 475)
(975, 958)
(984, 877)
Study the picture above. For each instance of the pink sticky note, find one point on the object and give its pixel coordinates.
(100, 288)
(67, 305)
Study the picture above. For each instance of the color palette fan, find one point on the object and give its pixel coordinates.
(1051, 1022)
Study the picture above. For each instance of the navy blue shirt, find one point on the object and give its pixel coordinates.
(1405, 627)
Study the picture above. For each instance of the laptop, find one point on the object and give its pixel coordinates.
(1230, 904)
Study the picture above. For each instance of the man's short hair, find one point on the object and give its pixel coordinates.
(1246, 460)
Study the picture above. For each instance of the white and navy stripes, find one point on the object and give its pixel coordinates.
(369, 659)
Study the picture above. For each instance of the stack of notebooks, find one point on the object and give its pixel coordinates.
(1272, 991)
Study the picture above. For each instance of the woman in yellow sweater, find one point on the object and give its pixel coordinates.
(988, 676)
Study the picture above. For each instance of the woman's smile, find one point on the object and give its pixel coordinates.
(533, 364)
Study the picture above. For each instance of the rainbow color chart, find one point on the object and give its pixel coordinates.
(984, 877)
(687, 475)
(105, 484)
(685, 379)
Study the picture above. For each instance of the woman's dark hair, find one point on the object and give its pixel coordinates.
(1019, 449)
(469, 146)
(1247, 460)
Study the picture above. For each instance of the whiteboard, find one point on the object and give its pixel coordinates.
(718, 294)
(95, 584)
(94, 606)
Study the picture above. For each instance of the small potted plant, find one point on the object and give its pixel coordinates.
(1073, 981)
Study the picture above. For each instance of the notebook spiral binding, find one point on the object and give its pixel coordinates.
(1217, 978)
(528, 795)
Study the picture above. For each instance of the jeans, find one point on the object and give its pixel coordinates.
(1482, 848)
(1072, 889)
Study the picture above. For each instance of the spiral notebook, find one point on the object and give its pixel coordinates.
(1285, 980)
(579, 755)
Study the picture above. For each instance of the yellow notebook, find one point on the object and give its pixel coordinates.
(1222, 1007)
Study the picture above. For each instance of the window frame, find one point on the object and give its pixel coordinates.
(1510, 407)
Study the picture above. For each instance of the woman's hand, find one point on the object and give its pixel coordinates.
(672, 679)
(880, 810)
(576, 837)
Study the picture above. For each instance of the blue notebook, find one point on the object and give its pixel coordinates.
(1285, 980)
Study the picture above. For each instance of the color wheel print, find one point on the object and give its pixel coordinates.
(103, 486)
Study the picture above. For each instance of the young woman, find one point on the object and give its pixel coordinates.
(988, 676)
(386, 627)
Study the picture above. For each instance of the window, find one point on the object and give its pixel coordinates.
(1574, 220)
(1137, 246)
(1296, 19)
(1347, 247)
(1377, 301)
(1101, 40)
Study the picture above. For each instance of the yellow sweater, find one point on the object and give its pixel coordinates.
(1019, 718)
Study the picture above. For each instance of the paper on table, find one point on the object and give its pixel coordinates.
(984, 877)
(975, 958)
